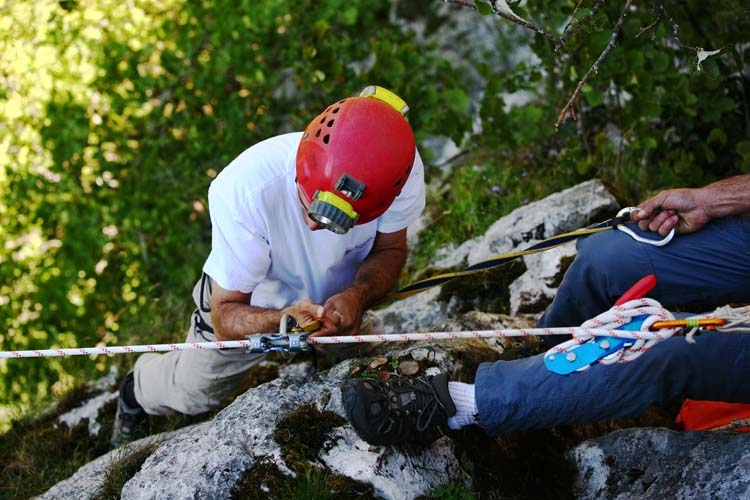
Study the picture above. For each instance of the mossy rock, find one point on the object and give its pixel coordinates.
(302, 432)
(487, 291)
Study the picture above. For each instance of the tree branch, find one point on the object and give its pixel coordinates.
(569, 33)
(595, 67)
(654, 26)
(663, 12)
(514, 19)
(572, 17)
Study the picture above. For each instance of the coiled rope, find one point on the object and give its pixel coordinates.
(622, 315)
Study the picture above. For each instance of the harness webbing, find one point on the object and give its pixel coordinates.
(499, 260)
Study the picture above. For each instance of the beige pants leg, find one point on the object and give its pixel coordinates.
(191, 382)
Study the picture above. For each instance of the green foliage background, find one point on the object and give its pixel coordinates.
(115, 117)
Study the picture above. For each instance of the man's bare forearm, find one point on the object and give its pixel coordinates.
(234, 320)
(728, 196)
(378, 275)
(379, 272)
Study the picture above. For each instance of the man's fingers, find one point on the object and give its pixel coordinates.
(658, 220)
(307, 308)
(647, 209)
(327, 327)
(671, 222)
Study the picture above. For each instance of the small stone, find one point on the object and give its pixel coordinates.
(378, 362)
(409, 367)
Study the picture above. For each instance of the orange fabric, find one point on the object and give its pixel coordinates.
(703, 415)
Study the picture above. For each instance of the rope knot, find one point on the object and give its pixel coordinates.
(647, 311)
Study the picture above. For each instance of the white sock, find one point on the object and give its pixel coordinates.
(467, 412)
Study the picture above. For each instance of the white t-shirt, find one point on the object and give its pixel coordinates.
(261, 243)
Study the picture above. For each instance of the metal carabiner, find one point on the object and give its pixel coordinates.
(625, 229)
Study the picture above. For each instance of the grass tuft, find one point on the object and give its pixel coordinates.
(120, 471)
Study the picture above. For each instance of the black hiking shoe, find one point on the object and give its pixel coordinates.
(402, 410)
(130, 418)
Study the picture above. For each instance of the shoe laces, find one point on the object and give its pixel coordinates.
(423, 399)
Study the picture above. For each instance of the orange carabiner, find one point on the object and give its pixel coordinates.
(707, 324)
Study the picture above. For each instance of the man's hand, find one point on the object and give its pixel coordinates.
(305, 312)
(234, 318)
(343, 313)
(687, 210)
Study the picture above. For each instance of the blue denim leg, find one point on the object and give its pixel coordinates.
(708, 266)
(523, 394)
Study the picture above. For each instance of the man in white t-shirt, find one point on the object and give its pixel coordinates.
(309, 224)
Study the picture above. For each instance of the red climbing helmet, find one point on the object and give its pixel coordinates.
(354, 159)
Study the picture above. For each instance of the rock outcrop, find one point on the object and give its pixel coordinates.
(658, 463)
(540, 274)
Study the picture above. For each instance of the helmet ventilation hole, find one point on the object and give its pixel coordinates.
(330, 123)
(336, 110)
(398, 183)
(326, 138)
(322, 120)
(317, 134)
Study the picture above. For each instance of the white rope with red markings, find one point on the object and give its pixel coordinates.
(127, 349)
(605, 325)
(476, 334)
(395, 337)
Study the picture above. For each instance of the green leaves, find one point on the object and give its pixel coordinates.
(660, 62)
(710, 68)
(593, 96)
(743, 149)
(484, 8)
(456, 100)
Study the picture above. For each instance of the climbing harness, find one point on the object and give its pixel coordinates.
(617, 222)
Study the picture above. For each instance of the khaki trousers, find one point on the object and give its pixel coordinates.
(192, 382)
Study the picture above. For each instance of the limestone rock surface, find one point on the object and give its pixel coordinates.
(651, 463)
